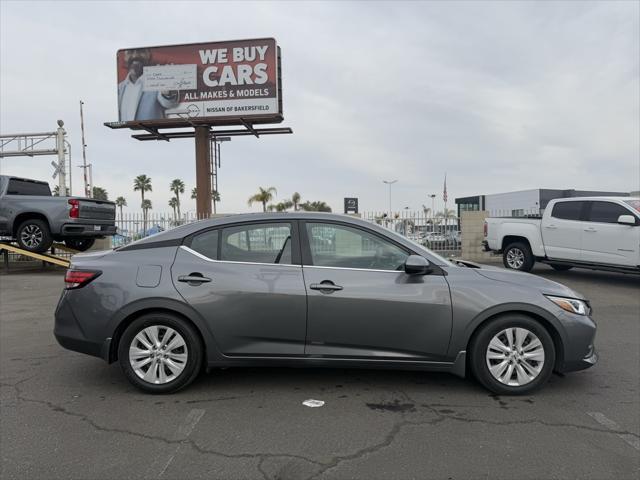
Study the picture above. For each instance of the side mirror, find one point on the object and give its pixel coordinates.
(417, 265)
(627, 220)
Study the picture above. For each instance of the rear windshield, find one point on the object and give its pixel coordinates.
(25, 187)
(635, 204)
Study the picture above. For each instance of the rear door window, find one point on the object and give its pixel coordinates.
(206, 243)
(23, 187)
(567, 210)
(606, 212)
(257, 243)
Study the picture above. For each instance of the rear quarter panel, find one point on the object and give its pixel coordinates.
(126, 287)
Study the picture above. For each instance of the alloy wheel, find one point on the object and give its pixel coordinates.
(31, 236)
(158, 354)
(515, 258)
(515, 356)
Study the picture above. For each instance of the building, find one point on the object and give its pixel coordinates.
(523, 202)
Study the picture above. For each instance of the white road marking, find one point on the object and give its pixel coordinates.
(611, 425)
(313, 403)
(183, 432)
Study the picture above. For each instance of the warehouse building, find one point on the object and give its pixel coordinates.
(523, 202)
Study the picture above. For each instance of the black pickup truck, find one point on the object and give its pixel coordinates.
(34, 218)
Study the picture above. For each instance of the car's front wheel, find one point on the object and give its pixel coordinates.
(160, 353)
(512, 355)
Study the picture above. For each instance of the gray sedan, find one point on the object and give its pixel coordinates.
(313, 290)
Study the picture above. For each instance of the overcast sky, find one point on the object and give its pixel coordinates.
(501, 96)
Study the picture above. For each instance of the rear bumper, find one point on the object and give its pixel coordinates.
(70, 336)
(485, 246)
(87, 230)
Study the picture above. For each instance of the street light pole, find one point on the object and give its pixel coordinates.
(389, 182)
(433, 203)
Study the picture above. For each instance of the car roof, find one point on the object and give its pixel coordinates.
(182, 231)
(185, 230)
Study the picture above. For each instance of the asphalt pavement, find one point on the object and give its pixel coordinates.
(67, 415)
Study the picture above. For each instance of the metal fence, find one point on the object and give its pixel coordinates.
(437, 232)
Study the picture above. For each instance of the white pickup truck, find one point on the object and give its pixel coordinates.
(599, 233)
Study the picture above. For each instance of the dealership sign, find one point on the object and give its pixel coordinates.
(184, 83)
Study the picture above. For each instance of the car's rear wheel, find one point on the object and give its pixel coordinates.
(518, 256)
(80, 244)
(34, 235)
(160, 353)
(560, 268)
(512, 355)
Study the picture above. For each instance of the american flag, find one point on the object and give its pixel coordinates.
(444, 193)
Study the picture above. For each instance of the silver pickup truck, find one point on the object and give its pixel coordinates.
(35, 218)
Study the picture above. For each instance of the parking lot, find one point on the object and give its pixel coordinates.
(67, 415)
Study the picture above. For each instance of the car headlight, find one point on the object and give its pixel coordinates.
(571, 305)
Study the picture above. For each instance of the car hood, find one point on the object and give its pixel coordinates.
(526, 280)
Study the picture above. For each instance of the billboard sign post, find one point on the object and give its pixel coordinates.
(200, 86)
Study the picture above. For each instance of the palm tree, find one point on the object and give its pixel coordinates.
(295, 200)
(56, 191)
(121, 202)
(177, 187)
(146, 206)
(99, 193)
(263, 196)
(173, 203)
(445, 215)
(316, 206)
(280, 206)
(143, 184)
(215, 196)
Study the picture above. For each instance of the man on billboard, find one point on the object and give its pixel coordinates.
(134, 103)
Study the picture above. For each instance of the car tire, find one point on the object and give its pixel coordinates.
(518, 256)
(34, 235)
(80, 244)
(560, 268)
(529, 364)
(154, 376)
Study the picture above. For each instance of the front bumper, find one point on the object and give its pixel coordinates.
(587, 362)
(87, 230)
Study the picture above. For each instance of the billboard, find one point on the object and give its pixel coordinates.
(186, 84)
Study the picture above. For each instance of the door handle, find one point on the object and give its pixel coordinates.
(326, 286)
(194, 279)
(551, 227)
(590, 229)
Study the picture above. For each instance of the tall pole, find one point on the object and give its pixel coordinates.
(389, 182)
(62, 177)
(87, 191)
(433, 204)
(203, 172)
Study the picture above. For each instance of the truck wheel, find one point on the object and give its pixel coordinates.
(80, 244)
(518, 256)
(560, 268)
(512, 355)
(34, 235)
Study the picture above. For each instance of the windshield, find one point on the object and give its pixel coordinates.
(634, 203)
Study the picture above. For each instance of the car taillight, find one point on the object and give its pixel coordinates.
(74, 211)
(79, 278)
(486, 229)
